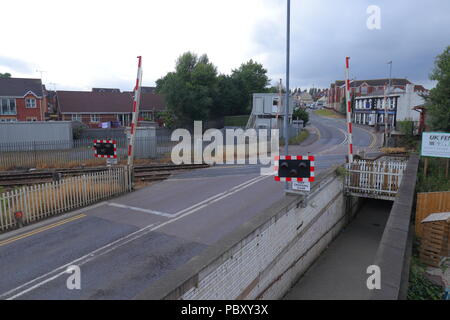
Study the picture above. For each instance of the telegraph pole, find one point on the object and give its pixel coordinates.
(386, 114)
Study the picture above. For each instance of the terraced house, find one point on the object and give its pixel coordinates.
(22, 100)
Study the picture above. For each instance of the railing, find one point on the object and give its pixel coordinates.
(41, 201)
(54, 154)
(374, 179)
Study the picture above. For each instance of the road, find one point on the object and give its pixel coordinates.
(125, 244)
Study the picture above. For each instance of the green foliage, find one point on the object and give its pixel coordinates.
(297, 139)
(301, 114)
(5, 75)
(227, 99)
(439, 98)
(166, 118)
(408, 140)
(406, 127)
(249, 78)
(190, 90)
(341, 171)
(236, 121)
(435, 180)
(196, 92)
(420, 288)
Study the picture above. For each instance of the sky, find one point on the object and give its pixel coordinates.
(83, 44)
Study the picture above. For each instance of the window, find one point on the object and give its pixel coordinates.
(7, 106)
(76, 117)
(392, 103)
(95, 118)
(8, 120)
(30, 103)
(364, 90)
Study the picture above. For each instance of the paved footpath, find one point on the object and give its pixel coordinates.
(340, 272)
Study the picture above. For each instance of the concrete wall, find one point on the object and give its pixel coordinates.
(42, 134)
(266, 256)
(394, 253)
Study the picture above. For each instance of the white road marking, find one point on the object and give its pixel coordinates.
(226, 192)
(56, 273)
(185, 213)
(79, 262)
(118, 205)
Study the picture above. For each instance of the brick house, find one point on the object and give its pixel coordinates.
(98, 106)
(359, 88)
(22, 99)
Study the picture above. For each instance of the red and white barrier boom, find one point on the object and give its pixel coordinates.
(349, 109)
(136, 105)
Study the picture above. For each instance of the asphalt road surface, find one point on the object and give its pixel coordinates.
(125, 244)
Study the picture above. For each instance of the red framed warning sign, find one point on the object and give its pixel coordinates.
(295, 168)
(105, 149)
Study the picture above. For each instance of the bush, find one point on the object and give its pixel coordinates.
(420, 288)
(301, 114)
(406, 127)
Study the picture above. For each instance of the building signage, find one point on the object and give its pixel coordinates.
(436, 144)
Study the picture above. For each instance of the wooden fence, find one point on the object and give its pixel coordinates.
(374, 179)
(41, 201)
(428, 203)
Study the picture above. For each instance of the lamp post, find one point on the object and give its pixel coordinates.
(286, 102)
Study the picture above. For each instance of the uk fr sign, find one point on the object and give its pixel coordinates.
(436, 144)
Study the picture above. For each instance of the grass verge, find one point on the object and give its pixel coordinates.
(302, 136)
(236, 121)
(328, 113)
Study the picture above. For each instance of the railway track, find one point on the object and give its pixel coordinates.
(141, 173)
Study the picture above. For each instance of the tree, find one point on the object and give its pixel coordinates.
(226, 102)
(249, 78)
(439, 97)
(301, 114)
(5, 75)
(190, 90)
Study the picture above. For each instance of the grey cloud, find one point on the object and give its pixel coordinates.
(323, 32)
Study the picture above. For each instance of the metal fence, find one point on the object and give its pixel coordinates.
(51, 154)
(374, 179)
(41, 201)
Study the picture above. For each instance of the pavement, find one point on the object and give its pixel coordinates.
(340, 272)
(124, 244)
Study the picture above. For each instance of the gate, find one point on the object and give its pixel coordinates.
(377, 179)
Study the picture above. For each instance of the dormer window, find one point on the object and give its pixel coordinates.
(30, 103)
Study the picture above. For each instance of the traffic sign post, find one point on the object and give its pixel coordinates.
(299, 171)
(105, 149)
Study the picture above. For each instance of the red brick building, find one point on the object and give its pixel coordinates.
(358, 88)
(22, 100)
(98, 106)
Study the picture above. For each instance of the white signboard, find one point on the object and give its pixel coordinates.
(436, 144)
(111, 161)
(301, 186)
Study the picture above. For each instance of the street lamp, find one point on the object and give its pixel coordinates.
(286, 108)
